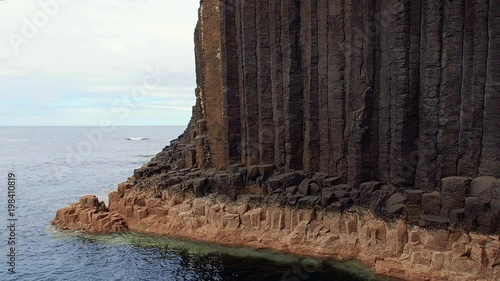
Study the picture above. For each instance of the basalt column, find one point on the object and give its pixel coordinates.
(277, 82)
(430, 79)
(385, 19)
(293, 96)
(490, 157)
(231, 94)
(400, 92)
(250, 101)
(310, 59)
(337, 88)
(475, 54)
(404, 87)
(212, 88)
(451, 83)
(323, 122)
(264, 92)
(359, 91)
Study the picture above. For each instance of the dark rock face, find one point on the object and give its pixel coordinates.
(401, 92)
(389, 105)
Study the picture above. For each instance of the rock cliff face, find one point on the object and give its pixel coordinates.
(334, 128)
(403, 92)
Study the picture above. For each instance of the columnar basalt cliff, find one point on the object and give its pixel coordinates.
(403, 92)
(352, 129)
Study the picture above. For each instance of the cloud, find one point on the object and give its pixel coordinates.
(180, 108)
(92, 52)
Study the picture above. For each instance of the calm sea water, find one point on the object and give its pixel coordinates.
(54, 166)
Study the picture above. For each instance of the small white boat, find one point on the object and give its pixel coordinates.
(137, 139)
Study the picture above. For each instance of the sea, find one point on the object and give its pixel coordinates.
(51, 167)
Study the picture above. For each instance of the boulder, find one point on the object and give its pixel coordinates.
(266, 170)
(394, 205)
(344, 187)
(395, 210)
(456, 216)
(199, 187)
(253, 173)
(284, 180)
(482, 187)
(293, 199)
(308, 202)
(395, 199)
(475, 209)
(413, 196)
(453, 192)
(304, 186)
(495, 191)
(328, 197)
(319, 178)
(431, 203)
(332, 181)
(366, 189)
(291, 190)
(315, 189)
(495, 207)
(341, 204)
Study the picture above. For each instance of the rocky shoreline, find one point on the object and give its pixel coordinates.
(403, 233)
(394, 249)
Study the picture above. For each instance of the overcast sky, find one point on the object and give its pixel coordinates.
(79, 62)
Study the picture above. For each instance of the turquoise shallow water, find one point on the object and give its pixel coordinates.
(54, 166)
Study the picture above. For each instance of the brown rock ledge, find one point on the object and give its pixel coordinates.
(394, 249)
(89, 215)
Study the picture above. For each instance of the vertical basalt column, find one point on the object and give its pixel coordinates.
(198, 51)
(430, 69)
(359, 101)
(264, 92)
(292, 83)
(371, 61)
(410, 128)
(309, 44)
(251, 100)
(198, 54)
(490, 157)
(277, 82)
(241, 81)
(404, 92)
(451, 83)
(212, 94)
(348, 74)
(385, 18)
(475, 53)
(230, 81)
(323, 122)
(336, 88)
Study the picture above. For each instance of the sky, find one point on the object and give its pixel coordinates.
(88, 62)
